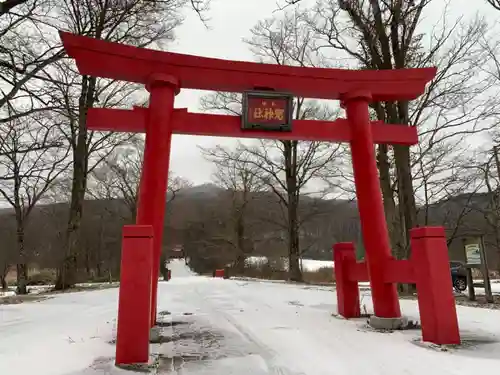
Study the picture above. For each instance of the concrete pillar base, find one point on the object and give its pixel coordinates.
(155, 334)
(139, 367)
(388, 323)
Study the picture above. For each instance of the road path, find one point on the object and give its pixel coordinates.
(222, 327)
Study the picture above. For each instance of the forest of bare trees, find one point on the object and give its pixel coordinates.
(65, 191)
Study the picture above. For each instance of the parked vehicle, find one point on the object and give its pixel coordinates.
(458, 275)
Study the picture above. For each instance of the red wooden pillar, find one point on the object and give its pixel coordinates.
(132, 337)
(347, 290)
(436, 302)
(154, 178)
(370, 205)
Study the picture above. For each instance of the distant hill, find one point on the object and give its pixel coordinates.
(331, 220)
(203, 191)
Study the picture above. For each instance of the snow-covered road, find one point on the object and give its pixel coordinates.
(235, 327)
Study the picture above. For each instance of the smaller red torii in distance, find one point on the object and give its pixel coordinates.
(203, 124)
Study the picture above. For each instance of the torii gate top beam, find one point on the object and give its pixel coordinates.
(104, 59)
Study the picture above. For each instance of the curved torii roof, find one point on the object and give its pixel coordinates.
(104, 59)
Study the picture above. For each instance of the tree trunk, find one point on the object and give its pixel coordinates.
(163, 266)
(295, 273)
(393, 223)
(98, 260)
(67, 272)
(88, 267)
(386, 112)
(99, 269)
(68, 269)
(290, 156)
(22, 267)
(3, 278)
(240, 240)
(408, 207)
(398, 113)
(406, 194)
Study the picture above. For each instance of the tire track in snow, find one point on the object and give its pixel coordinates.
(268, 355)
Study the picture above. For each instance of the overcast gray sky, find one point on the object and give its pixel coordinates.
(230, 22)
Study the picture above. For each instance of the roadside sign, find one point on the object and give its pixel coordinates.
(473, 253)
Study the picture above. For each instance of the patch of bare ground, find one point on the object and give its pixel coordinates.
(46, 294)
(275, 271)
(479, 302)
(463, 300)
(190, 344)
(82, 288)
(15, 300)
(469, 345)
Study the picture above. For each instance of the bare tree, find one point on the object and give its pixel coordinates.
(237, 174)
(201, 7)
(286, 166)
(371, 35)
(337, 221)
(24, 54)
(494, 3)
(8, 255)
(29, 42)
(135, 22)
(386, 35)
(32, 158)
(205, 237)
(485, 208)
(118, 176)
(9, 5)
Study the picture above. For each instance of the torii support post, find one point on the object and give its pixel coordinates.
(154, 178)
(134, 301)
(370, 205)
(428, 267)
(436, 302)
(344, 258)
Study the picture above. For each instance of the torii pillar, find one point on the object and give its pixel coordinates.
(370, 204)
(154, 178)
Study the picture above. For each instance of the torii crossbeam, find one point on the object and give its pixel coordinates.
(186, 123)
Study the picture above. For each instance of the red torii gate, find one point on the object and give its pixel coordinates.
(164, 74)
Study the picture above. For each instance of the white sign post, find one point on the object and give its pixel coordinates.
(473, 253)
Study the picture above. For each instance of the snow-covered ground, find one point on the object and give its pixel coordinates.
(236, 327)
(307, 264)
(314, 265)
(31, 290)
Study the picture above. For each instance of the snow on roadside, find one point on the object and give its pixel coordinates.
(58, 335)
(11, 292)
(39, 289)
(279, 328)
(8, 293)
(236, 327)
(307, 264)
